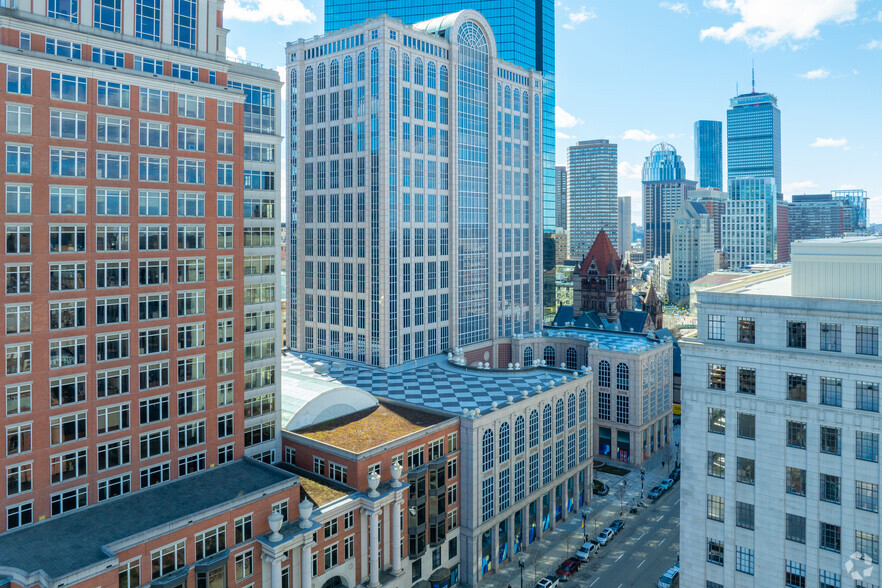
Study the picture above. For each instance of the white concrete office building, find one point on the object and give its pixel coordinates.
(624, 230)
(692, 248)
(781, 424)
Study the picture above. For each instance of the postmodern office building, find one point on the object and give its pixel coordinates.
(524, 36)
(692, 248)
(753, 137)
(714, 202)
(417, 180)
(709, 154)
(664, 190)
(749, 230)
(560, 197)
(592, 189)
(141, 230)
(781, 435)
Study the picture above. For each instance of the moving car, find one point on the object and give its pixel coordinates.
(667, 483)
(617, 525)
(548, 582)
(587, 550)
(600, 488)
(568, 568)
(605, 535)
(656, 492)
(671, 578)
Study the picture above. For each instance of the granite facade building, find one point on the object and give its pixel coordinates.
(692, 249)
(141, 250)
(416, 187)
(592, 189)
(780, 444)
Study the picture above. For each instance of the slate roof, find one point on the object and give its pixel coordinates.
(603, 254)
(632, 320)
(65, 544)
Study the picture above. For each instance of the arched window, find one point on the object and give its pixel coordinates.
(347, 69)
(571, 411)
(504, 442)
(393, 65)
(583, 405)
(335, 73)
(546, 422)
(375, 71)
(307, 79)
(572, 359)
(534, 429)
(430, 74)
(526, 104)
(405, 67)
(517, 101)
(519, 436)
(559, 416)
(443, 79)
(603, 374)
(487, 451)
(320, 78)
(528, 356)
(622, 377)
(508, 96)
(359, 67)
(548, 356)
(417, 72)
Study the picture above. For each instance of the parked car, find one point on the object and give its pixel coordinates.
(670, 579)
(605, 535)
(568, 568)
(675, 475)
(600, 488)
(587, 550)
(656, 492)
(548, 582)
(617, 525)
(667, 483)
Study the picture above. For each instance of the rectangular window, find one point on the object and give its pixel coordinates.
(715, 327)
(831, 337)
(795, 528)
(18, 119)
(866, 340)
(796, 481)
(744, 515)
(18, 359)
(244, 565)
(65, 429)
(69, 500)
(67, 163)
(831, 391)
(831, 440)
(66, 87)
(19, 80)
(153, 375)
(744, 560)
(796, 334)
(746, 330)
(18, 159)
(796, 387)
(715, 551)
(716, 376)
(866, 496)
(796, 432)
(830, 537)
(715, 508)
(169, 558)
(716, 420)
(830, 488)
(114, 95)
(67, 466)
(867, 446)
(716, 464)
(65, 124)
(745, 470)
(794, 574)
(867, 396)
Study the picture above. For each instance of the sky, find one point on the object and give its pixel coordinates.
(637, 72)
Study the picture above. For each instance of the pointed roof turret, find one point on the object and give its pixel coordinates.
(603, 254)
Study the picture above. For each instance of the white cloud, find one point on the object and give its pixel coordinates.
(562, 135)
(565, 120)
(678, 7)
(630, 170)
(579, 17)
(815, 74)
(239, 53)
(800, 187)
(872, 45)
(848, 187)
(638, 135)
(829, 142)
(766, 23)
(281, 12)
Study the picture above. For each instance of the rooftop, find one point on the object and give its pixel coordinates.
(778, 286)
(607, 340)
(320, 491)
(365, 429)
(63, 545)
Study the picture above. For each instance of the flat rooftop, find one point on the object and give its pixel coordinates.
(62, 545)
(431, 382)
(779, 286)
(320, 491)
(366, 429)
(603, 339)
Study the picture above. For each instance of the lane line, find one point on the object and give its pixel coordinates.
(641, 536)
(620, 585)
(620, 556)
(678, 501)
(641, 563)
(594, 582)
(662, 541)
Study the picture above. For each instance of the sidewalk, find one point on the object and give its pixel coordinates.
(543, 556)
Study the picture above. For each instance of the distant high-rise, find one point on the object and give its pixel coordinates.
(560, 197)
(592, 188)
(709, 154)
(624, 230)
(664, 191)
(714, 202)
(692, 248)
(753, 137)
(750, 223)
(856, 202)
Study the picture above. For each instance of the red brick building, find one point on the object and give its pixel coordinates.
(602, 282)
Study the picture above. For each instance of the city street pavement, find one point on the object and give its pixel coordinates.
(637, 556)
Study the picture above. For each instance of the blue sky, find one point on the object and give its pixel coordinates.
(639, 71)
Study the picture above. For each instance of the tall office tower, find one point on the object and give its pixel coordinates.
(781, 440)
(714, 202)
(141, 251)
(856, 208)
(750, 224)
(560, 197)
(592, 189)
(753, 137)
(623, 233)
(393, 198)
(524, 33)
(664, 190)
(692, 248)
(709, 154)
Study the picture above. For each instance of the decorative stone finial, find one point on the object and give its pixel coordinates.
(395, 469)
(305, 512)
(275, 523)
(373, 482)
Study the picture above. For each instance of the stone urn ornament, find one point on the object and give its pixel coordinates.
(373, 483)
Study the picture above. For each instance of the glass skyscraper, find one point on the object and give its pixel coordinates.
(664, 190)
(709, 154)
(524, 32)
(753, 137)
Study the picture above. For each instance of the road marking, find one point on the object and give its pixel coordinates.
(641, 537)
(620, 585)
(641, 563)
(620, 556)
(594, 582)
(662, 541)
(678, 501)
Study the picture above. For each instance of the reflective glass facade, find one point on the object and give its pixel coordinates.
(709, 154)
(753, 137)
(750, 224)
(524, 33)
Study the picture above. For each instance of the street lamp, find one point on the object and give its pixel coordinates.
(522, 563)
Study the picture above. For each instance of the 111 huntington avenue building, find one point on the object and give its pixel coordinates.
(781, 424)
(416, 191)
